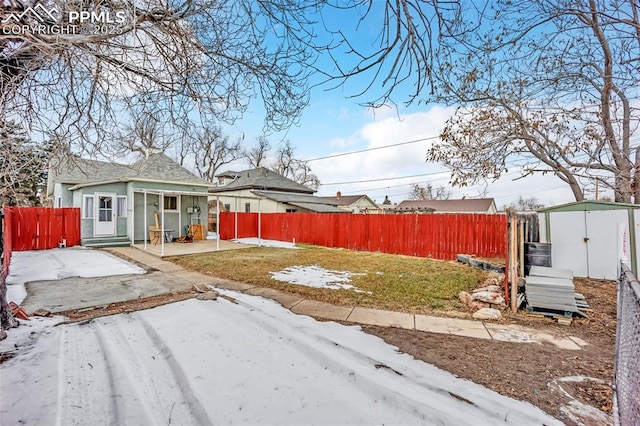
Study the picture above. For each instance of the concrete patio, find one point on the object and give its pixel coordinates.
(195, 247)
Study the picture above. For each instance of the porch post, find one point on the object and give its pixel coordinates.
(217, 222)
(162, 225)
(259, 224)
(146, 229)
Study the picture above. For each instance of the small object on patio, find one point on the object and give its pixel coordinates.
(209, 295)
(200, 290)
(18, 311)
(487, 314)
(187, 237)
(41, 313)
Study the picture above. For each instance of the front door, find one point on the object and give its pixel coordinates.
(105, 223)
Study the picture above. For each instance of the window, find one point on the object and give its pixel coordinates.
(292, 210)
(170, 202)
(59, 202)
(105, 208)
(227, 207)
(247, 207)
(121, 210)
(87, 206)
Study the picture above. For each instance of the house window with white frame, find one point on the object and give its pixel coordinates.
(170, 203)
(122, 206)
(87, 206)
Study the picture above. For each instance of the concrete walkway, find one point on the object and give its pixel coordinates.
(455, 326)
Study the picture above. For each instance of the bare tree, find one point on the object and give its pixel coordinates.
(525, 204)
(211, 150)
(548, 87)
(257, 154)
(429, 192)
(295, 169)
(194, 57)
(147, 133)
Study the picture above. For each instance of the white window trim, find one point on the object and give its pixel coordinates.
(84, 207)
(124, 209)
(177, 209)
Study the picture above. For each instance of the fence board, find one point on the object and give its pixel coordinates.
(439, 236)
(41, 228)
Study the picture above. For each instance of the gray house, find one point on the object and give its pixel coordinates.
(266, 191)
(119, 203)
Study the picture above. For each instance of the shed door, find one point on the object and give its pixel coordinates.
(602, 232)
(568, 245)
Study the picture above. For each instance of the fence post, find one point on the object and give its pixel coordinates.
(513, 260)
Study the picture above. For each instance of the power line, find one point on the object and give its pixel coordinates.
(381, 179)
(371, 149)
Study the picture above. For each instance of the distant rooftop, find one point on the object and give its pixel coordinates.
(262, 179)
(468, 205)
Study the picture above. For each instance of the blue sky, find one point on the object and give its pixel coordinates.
(334, 123)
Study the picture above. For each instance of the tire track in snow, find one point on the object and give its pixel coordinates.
(85, 393)
(150, 382)
(118, 370)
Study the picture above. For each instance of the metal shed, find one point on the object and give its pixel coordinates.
(590, 237)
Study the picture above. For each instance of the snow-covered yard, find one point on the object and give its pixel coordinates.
(55, 264)
(219, 362)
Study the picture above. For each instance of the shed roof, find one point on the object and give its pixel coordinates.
(588, 205)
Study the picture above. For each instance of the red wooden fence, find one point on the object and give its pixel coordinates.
(438, 236)
(40, 228)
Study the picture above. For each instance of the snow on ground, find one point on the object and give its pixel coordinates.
(266, 243)
(54, 264)
(216, 362)
(316, 276)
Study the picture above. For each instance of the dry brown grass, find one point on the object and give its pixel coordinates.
(399, 283)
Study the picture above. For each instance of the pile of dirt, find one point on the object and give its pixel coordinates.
(77, 315)
(526, 371)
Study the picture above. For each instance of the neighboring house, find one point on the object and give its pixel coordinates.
(120, 202)
(226, 177)
(354, 203)
(467, 205)
(266, 191)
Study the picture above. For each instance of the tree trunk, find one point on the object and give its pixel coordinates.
(623, 188)
(7, 320)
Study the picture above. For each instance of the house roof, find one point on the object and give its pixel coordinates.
(309, 202)
(157, 167)
(467, 205)
(262, 179)
(228, 173)
(347, 200)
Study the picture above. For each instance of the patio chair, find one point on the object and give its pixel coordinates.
(155, 234)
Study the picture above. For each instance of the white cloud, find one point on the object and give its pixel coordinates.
(410, 159)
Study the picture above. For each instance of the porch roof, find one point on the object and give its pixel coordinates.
(171, 192)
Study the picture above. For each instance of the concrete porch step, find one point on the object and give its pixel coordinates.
(101, 242)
